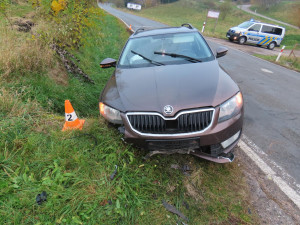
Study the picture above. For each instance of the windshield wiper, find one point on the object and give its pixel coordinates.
(147, 59)
(174, 55)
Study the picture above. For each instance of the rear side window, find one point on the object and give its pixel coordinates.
(271, 30)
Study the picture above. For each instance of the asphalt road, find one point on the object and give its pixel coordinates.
(271, 95)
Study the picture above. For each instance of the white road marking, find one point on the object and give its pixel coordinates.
(270, 173)
(266, 71)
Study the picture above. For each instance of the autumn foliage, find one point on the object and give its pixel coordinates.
(69, 18)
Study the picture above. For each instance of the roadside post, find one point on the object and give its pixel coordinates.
(280, 53)
(214, 15)
(292, 52)
(203, 27)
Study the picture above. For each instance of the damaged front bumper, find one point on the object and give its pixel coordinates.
(215, 144)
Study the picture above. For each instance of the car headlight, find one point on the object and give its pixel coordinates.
(231, 107)
(111, 114)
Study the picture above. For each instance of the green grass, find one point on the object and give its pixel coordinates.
(283, 11)
(194, 12)
(74, 167)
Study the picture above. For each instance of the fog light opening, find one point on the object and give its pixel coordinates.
(230, 140)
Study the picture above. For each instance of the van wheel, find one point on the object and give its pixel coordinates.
(231, 40)
(271, 46)
(242, 40)
(258, 45)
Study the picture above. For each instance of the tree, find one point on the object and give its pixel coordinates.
(225, 9)
(266, 4)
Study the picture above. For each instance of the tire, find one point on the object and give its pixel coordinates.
(242, 40)
(258, 45)
(231, 40)
(272, 45)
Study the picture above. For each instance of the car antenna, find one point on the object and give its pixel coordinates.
(187, 25)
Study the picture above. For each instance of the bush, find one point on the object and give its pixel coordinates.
(225, 9)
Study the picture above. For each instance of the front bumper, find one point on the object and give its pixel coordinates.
(206, 145)
(232, 36)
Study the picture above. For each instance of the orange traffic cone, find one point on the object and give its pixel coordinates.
(72, 121)
(130, 27)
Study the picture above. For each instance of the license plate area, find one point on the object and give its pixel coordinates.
(186, 144)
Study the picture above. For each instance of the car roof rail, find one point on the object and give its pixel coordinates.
(139, 31)
(187, 25)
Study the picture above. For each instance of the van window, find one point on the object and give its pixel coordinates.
(271, 30)
(255, 27)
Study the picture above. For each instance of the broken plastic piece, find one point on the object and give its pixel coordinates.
(112, 176)
(172, 209)
(40, 198)
(186, 168)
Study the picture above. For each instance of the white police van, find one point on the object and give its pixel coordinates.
(255, 32)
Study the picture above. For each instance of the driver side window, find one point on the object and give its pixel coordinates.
(255, 27)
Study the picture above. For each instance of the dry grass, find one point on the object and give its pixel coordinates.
(59, 74)
(21, 54)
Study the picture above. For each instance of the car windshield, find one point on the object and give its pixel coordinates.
(245, 24)
(165, 49)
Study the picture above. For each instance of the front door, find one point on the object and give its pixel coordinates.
(253, 34)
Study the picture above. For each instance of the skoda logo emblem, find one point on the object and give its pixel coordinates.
(168, 109)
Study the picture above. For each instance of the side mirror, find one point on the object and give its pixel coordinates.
(108, 62)
(221, 51)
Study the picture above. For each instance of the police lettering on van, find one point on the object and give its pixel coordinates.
(255, 32)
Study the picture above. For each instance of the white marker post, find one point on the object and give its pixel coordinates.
(280, 53)
(203, 27)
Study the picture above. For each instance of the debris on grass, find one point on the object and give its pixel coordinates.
(112, 176)
(175, 166)
(40, 198)
(172, 209)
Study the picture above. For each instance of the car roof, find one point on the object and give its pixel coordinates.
(143, 32)
(269, 24)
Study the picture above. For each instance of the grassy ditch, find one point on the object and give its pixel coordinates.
(74, 168)
(289, 62)
(194, 12)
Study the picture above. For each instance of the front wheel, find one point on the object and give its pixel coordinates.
(231, 40)
(242, 40)
(271, 46)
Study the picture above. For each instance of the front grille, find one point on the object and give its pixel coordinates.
(185, 123)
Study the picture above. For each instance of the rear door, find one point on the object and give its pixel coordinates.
(270, 34)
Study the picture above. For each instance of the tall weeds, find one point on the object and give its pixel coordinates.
(21, 55)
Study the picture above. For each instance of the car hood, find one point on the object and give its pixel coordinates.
(184, 86)
(238, 29)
